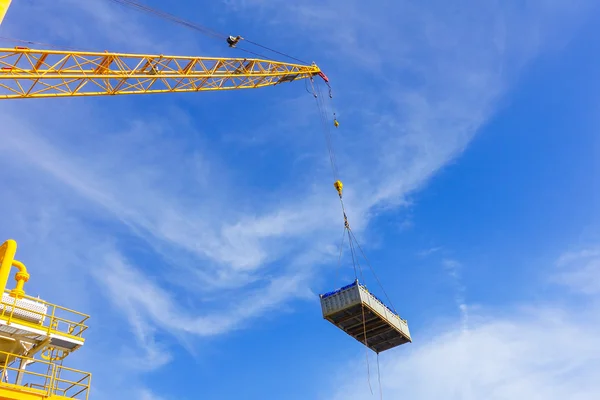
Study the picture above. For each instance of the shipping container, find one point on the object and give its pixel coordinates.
(359, 313)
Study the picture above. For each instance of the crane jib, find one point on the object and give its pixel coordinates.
(33, 73)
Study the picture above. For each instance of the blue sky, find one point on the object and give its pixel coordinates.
(198, 229)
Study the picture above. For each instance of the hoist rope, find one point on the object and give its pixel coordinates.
(353, 256)
(373, 271)
(337, 271)
(366, 348)
(165, 15)
(326, 131)
(379, 378)
(352, 241)
(8, 39)
(275, 51)
(352, 238)
(197, 27)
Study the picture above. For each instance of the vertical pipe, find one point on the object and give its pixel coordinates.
(7, 256)
(4, 4)
(21, 277)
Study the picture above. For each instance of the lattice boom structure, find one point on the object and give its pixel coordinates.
(28, 73)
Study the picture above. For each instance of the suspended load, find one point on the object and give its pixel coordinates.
(363, 316)
(353, 308)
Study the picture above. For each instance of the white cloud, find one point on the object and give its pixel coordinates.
(454, 270)
(538, 351)
(580, 271)
(438, 72)
(135, 294)
(146, 394)
(429, 251)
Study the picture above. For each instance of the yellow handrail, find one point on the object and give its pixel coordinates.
(49, 320)
(54, 384)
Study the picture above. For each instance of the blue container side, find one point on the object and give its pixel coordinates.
(329, 294)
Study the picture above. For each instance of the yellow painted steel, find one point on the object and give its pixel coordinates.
(17, 392)
(7, 256)
(4, 4)
(35, 336)
(7, 260)
(57, 320)
(43, 380)
(339, 186)
(21, 277)
(29, 73)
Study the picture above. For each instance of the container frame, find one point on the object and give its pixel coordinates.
(359, 313)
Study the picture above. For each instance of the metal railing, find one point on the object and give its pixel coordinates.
(43, 315)
(47, 377)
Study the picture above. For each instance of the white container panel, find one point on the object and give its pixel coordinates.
(385, 312)
(340, 299)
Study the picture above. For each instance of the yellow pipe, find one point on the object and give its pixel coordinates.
(21, 277)
(4, 4)
(7, 256)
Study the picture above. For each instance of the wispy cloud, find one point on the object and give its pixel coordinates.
(454, 270)
(429, 251)
(145, 394)
(137, 295)
(580, 271)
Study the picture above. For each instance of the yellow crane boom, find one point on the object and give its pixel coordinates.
(29, 73)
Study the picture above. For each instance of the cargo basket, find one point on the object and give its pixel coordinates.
(345, 308)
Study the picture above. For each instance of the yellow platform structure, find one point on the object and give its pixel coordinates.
(35, 338)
